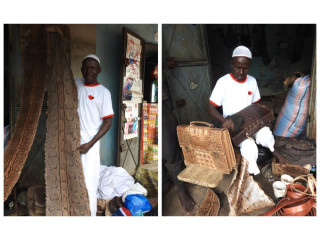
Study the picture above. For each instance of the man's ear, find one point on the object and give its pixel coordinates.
(100, 69)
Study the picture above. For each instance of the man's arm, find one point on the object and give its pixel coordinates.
(105, 127)
(226, 122)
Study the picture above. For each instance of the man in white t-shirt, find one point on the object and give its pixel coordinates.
(95, 113)
(234, 92)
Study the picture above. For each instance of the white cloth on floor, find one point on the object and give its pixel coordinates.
(135, 189)
(249, 151)
(265, 138)
(114, 181)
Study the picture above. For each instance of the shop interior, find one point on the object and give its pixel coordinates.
(282, 56)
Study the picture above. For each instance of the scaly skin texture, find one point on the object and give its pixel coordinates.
(33, 40)
(66, 193)
(45, 54)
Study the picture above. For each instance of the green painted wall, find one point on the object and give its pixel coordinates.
(108, 48)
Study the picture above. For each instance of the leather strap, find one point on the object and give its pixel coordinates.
(300, 200)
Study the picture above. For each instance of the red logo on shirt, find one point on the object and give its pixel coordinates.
(249, 92)
(91, 97)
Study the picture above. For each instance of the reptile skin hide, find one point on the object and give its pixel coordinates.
(45, 54)
(245, 196)
(33, 41)
(66, 193)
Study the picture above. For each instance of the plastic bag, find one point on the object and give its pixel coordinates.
(122, 212)
(137, 203)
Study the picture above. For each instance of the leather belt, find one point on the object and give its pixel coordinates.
(299, 200)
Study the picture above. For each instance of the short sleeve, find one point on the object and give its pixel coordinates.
(79, 82)
(105, 105)
(256, 94)
(216, 95)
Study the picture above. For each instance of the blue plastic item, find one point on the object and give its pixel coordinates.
(137, 203)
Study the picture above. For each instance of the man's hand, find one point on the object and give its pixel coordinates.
(228, 123)
(106, 125)
(84, 148)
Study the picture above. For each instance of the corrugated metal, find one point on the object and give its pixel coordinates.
(189, 81)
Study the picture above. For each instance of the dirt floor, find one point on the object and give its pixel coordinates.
(171, 205)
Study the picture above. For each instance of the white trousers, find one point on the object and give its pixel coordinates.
(249, 149)
(91, 170)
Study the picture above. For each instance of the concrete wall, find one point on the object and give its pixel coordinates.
(83, 42)
(108, 48)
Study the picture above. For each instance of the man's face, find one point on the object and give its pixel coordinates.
(90, 70)
(240, 67)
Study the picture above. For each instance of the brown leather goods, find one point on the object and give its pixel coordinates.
(45, 51)
(295, 151)
(206, 146)
(254, 117)
(66, 193)
(300, 200)
(33, 41)
(291, 169)
(245, 196)
(210, 205)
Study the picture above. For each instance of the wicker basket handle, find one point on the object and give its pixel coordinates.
(201, 122)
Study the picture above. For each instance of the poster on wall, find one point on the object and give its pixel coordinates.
(133, 48)
(133, 69)
(131, 129)
(132, 89)
(132, 111)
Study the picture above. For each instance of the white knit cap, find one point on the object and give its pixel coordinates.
(92, 56)
(242, 51)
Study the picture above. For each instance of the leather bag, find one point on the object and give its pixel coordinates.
(206, 146)
(255, 117)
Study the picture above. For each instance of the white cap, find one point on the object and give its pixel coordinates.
(242, 51)
(92, 56)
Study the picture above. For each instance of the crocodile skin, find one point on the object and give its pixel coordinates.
(33, 41)
(255, 117)
(66, 193)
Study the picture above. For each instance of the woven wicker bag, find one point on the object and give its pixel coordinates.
(206, 146)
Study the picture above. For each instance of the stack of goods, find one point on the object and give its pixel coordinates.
(150, 141)
(152, 153)
(144, 131)
(147, 172)
(156, 137)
